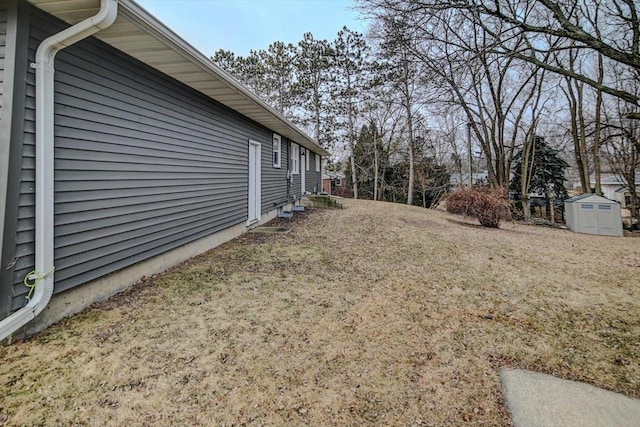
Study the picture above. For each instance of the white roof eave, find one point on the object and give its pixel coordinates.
(183, 62)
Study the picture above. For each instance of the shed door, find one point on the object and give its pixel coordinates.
(587, 220)
(606, 220)
(255, 183)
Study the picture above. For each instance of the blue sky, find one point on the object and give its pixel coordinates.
(242, 25)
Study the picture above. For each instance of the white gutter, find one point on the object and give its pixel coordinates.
(42, 276)
(137, 14)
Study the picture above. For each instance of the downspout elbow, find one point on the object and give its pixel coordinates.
(105, 17)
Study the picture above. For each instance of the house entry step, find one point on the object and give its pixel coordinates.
(285, 214)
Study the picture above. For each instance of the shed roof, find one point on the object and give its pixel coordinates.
(590, 198)
(137, 33)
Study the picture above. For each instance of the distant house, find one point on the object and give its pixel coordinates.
(138, 154)
(613, 188)
(334, 183)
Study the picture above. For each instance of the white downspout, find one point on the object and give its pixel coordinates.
(42, 276)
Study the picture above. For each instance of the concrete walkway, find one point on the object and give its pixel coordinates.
(543, 400)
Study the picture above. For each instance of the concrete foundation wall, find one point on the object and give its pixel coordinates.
(77, 299)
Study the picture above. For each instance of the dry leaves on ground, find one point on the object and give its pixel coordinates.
(375, 314)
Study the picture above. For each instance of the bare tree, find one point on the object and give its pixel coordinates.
(608, 27)
(405, 76)
(574, 91)
(585, 124)
(384, 112)
(493, 91)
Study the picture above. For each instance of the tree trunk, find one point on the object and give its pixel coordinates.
(470, 159)
(354, 180)
(411, 186)
(526, 207)
(317, 126)
(410, 190)
(573, 94)
(633, 198)
(584, 181)
(375, 165)
(526, 171)
(582, 140)
(596, 138)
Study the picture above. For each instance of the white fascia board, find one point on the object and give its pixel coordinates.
(146, 22)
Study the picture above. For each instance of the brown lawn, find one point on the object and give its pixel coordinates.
(375, 314)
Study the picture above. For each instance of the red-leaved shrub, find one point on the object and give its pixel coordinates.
(487, 205)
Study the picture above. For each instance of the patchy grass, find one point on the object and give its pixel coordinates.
(376, 314)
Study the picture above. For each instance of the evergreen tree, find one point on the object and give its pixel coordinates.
(350, 79)
(312, 89)
(229, 62)
(249, 70)
(278, 75)
(547, 173)
(267, 73)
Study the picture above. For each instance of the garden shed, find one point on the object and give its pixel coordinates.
(593, 214)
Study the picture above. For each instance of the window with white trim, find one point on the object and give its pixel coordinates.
(295, 158)
(306, 159)
(277, 150)
(317, 162)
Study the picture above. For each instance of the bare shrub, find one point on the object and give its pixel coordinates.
(487, 205)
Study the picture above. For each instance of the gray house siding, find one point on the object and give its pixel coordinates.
(303, 169)
(296, 188)
(4, 150)
(317, 176)
(313, 179)
(274, 180)
(143, 164)
(11, 137)
(3, 44)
